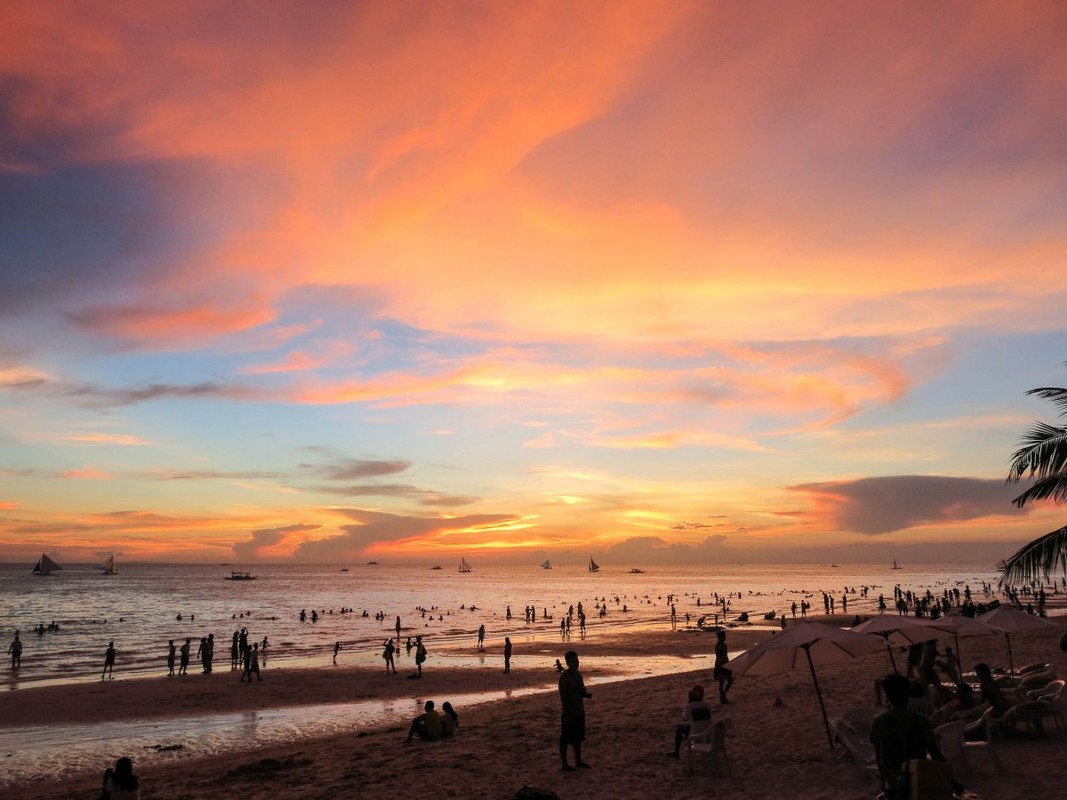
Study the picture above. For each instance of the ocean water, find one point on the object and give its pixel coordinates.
(138, 608)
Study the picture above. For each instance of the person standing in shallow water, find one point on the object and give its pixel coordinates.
(481, 637)
(724, 676)
(507, 654)
(172, 654)
(15, 648)
(420, 655)
(183, 666)
(572, 696)
(387, 654)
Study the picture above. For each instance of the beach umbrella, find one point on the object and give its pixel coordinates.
(959, 625)
(804, 643)
(1009, 620)
(895, 630)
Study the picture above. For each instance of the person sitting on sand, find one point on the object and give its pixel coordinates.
(449, 719)
(426, 725)
(899, 735)
(696, 719)
(120, 783)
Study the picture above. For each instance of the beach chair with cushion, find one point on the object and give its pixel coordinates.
(709, 745)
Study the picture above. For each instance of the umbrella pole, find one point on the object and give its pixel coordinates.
(1011, 661)
(818, 693)
(959, 658)
(892, 661)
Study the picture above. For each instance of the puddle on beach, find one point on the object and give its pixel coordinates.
(26, 753)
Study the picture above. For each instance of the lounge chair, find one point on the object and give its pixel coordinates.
(982, 732)
(859, 752)
(711, 744)
(951, 743)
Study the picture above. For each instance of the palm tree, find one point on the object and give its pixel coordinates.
(1042, 457)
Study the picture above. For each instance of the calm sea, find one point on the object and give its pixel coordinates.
(138, 608)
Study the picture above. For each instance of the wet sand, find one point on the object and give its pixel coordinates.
(775, 750)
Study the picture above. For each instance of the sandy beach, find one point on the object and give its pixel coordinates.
(775, 749)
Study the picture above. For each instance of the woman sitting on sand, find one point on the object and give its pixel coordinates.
(449, 719)
(120, 783)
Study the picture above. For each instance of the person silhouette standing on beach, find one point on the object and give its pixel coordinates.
(721, 674)
(171, 655)
(336, 650)
(420, 656)
(572, 696)
(15, 649)
(235, 650)
(507, 654)
(202, 654)
(481, 637)
(183, 666)
(109, 661)
(398, 627)
(387, 654)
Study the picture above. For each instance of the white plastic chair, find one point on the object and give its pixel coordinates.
(710, 744)
(984, 726)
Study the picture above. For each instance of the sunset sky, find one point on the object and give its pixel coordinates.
(653, 281)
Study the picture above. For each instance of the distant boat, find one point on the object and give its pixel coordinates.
(372, 563)
(241, 576)
(45, 566)
(547, 564)
(463, 565)
(107, 566)
(896, 565)
(344, 569)
(636, 571)
(436, 566)
(593, 566)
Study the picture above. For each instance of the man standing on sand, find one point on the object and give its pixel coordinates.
(481, 637)
(183, 665)
(572, 695)
(109, 661)
(721, 674)
(420, 655)
(15, 648)
(507, 654)
(172, 653)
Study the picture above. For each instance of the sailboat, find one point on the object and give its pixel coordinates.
(107, 566)
(896, 565)
(547, 564)
(593, 566)
(45, 566)
(463, 565)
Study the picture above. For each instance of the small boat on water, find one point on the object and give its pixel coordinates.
(896, 565)
(463, 565)
(547, 564)
(436, 566)
(372, 563)
(45, 566)
(240, 576)
(636, 571)
(593, 566)
(107, 566)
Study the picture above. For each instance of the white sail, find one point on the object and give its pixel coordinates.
(593, 566)
(107, 566)
(463, 565)
(45, 566)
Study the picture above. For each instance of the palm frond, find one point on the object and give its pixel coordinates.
(1053, 488)
(1043, 452)
(1035, 561)
(1055, 394)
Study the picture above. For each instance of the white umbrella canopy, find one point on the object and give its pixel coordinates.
(1009, 620)
(804, 643)
(896, 630)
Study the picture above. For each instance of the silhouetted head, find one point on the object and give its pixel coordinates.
(123, 776)
(983, 671)
(696, 693)
(571, 658)
(897, 688)
(429, 705)
(720, 635)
